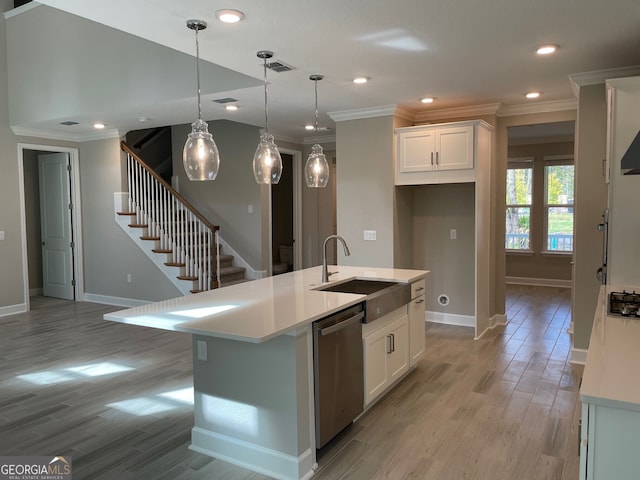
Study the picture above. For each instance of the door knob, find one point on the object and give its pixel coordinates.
(44, 243)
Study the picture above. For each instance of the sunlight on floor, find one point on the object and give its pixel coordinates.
(51, 377)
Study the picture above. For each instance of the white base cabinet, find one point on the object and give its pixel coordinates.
(386, 352)
(416, 322)
(609, 446)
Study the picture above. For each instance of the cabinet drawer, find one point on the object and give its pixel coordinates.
(417, 288)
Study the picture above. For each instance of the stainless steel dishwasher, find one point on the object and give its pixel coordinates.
(339, 372)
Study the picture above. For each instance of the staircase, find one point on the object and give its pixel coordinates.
(172, 233)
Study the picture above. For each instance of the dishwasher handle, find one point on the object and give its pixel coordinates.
(342, 324)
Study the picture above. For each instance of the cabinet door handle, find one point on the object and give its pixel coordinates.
(437, 155)
(389, 344)
(419, 289)
(419, 301)
(393, 342)
(432, 159)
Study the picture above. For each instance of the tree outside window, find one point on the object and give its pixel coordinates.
(519, 195)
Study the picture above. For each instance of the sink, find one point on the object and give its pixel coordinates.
(363, 287)
(382, 297)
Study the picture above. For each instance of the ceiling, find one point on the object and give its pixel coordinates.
(463, 53)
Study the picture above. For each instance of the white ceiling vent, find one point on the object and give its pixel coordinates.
(279, 66)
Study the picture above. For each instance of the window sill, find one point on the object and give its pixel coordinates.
(556, 254)
(519, 252)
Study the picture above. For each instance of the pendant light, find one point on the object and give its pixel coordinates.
(316, 170)
(267, 163)
(200, 155)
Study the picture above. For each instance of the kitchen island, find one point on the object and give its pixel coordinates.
(610, 395)
(253, 363)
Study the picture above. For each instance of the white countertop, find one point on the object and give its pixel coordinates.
(612, 371)
(259, 310)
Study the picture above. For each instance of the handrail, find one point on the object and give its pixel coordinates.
(190, 240)
(167, 185)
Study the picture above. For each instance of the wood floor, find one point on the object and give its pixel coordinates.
(116, 398)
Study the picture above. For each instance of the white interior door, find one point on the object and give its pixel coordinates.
(55, 221)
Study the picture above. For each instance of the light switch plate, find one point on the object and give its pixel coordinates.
(2, 235)
(202, 350)
(369, 234)
(453, 234)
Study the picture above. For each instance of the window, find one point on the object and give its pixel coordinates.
(559, 176)
(519, 197)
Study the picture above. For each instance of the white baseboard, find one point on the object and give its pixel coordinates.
(13, 309)
(539, 282)
(451, 319)
(498, 319)
(578, 356)
(117, 301)
(253, 457)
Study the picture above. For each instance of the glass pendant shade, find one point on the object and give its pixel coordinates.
(267, 163)
(316, 170)
(200, 156)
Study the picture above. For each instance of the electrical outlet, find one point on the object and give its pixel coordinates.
(453, 234)
(129, 278)
(250, 209)
(2, 235)
(369, 234)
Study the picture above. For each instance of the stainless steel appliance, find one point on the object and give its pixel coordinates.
(339, 372)
(624, 303)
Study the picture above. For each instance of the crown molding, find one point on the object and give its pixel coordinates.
(360, 113)
(599, 76)
(470, 111)
(68, 137)
(538, 107)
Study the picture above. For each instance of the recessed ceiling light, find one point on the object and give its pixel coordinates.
(231, 108)
(99, 126)
(427, 100)
(360, 80)
(532, 95)
(546, 49)
(309, 127)
(230, 16)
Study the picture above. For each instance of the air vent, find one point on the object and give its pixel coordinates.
(225, 100)
(279, 67)
(68, 123)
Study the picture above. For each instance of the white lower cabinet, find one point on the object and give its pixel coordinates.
(609, 447)
(386, 352)
(416, 322)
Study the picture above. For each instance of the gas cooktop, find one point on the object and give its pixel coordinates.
(625, 304)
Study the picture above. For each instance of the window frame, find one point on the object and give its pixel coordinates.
(556, 161)
(522, 163)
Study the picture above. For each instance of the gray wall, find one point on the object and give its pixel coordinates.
(365, 190)
(436, 210)
(591, 200)
(225, 201)
(12, 280)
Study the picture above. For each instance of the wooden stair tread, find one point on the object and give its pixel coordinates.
(186, 277)
(138, 225)
(162, 250)
(174, 264)
(127, 213)
(149, 238)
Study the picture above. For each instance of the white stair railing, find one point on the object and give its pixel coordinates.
(189, 239)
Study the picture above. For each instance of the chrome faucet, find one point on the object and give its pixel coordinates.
(325, 272)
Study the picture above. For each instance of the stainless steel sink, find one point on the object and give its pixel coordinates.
(363, 287)
(382, 297)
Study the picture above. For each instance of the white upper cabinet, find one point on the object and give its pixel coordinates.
(432, 148)
(437, 153)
